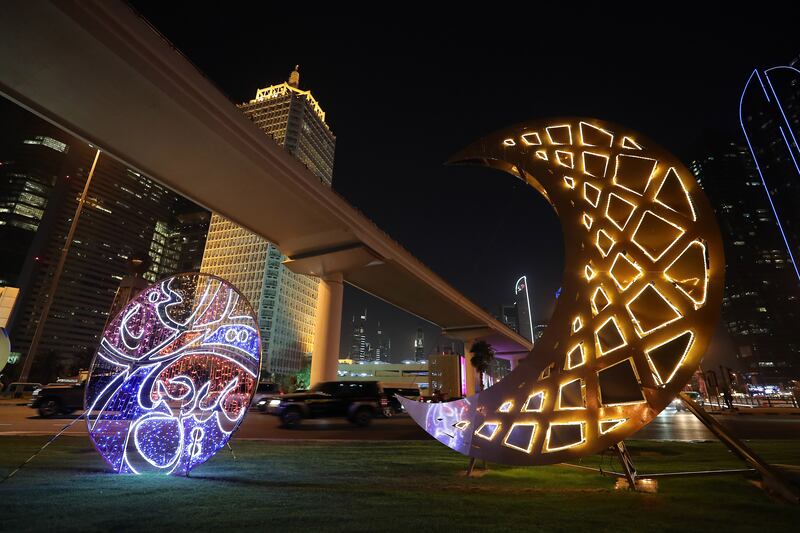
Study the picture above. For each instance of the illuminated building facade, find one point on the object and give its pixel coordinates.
(509, 316)
(284, 301)
(382, 351)
(419, 346)
(761, 302)
(358, 339)
(125, 213)
(769, 112)
(524, 319)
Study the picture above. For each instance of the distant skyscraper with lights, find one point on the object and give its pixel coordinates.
(358, 339)
(525, 322)
(43, 173)
(419, 346)
(509, 317)
(284, 301)
(769, 113)
(761, 306)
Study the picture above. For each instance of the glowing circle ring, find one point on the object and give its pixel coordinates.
(173, 376)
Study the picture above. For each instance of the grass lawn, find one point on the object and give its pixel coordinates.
(384, 486)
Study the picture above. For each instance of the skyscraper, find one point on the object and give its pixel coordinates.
(383, 346)
(125, 213)
(509, 316)
(419, 346)
(284, 301)
(358, 343)
(525, 322)
(769, 112)
(761, 303)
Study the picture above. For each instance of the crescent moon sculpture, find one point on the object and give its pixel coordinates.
(642, 292)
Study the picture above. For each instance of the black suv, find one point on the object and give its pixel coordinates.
(358, 401)
(62, 397)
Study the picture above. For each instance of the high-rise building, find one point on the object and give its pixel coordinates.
(419, 346)
(525, 321)
(358, 344)
(761, 305)
(509, 316)
(383, 347)
(770, 118)
(125, 213)
(284, 301)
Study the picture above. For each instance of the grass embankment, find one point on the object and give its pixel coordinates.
(400, 486)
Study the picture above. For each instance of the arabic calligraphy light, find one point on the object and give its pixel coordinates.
(174, 375)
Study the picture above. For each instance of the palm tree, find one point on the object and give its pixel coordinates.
(481, 360)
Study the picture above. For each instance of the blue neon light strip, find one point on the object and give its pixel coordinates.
(758, 167)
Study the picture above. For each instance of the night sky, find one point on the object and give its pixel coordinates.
(402, 95)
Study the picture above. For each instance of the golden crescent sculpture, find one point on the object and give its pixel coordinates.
(641, 296)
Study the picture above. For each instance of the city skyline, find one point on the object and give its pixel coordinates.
(443, 89)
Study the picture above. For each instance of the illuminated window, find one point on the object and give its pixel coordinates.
(633, 172)
(520, 436)
(599, 300)
(609, 425)
(534, 403)
(569, 182)
(561, 436)
(564, 158)
(609, 337)
(591, 193)
(667, 357)
(619, 211)
(531, 139)
(575, 357)
(505, 407)
(604, 243)
(595, 164)
(488, 430)
(630, 144)
(624, 271)
(650, 310)
(571, 395)
(689, 273)
(673, 195)
(654, 235)
(595, 136)
(561, 134)
(509, 142)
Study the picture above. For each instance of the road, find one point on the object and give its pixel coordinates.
(669, 425)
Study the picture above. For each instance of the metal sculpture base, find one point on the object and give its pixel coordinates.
(773, 482)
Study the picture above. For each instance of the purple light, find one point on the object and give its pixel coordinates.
(174, 375)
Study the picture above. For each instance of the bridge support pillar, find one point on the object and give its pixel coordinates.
(327, 331)
(471, 377)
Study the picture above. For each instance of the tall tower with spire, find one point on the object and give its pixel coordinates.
(285, 301)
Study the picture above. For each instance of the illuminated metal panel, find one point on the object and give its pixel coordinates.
(642, 291)
(173, 376)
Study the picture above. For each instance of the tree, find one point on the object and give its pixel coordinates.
(481, 360)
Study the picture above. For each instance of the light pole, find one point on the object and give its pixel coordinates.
(48, 296)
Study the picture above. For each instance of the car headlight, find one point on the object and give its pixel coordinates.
(262, 402)
(274, 403)
(36, 392)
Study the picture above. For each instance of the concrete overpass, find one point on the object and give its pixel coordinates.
(104, 74)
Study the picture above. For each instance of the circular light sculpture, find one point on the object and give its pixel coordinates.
(173, 376)
(641, 297)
